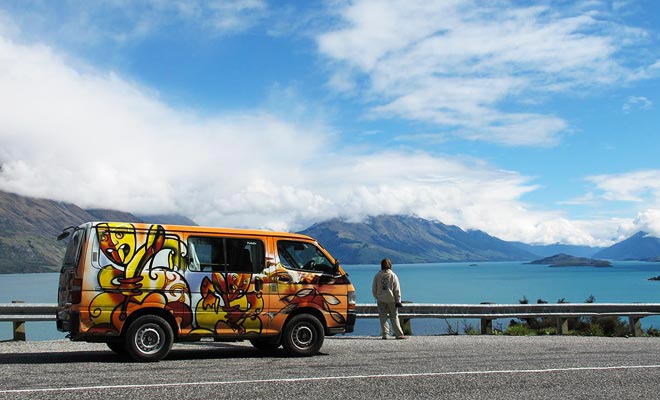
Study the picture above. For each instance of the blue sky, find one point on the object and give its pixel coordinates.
(532, 121)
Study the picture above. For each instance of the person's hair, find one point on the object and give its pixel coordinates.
(386, 264)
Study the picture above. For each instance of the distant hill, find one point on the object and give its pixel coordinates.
(406, 239)
(640, 246)
(551, 249)
(565, 260)
(29, 228)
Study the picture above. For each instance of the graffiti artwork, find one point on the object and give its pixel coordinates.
(228, 301)
(137, 270)
(140, 268)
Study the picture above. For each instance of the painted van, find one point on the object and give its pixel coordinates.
(140, 287)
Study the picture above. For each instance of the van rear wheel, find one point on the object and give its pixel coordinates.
(303, 335)
(149, 338)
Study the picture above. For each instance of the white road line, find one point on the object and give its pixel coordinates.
(330, 378)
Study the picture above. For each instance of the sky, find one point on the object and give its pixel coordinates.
(534, 121)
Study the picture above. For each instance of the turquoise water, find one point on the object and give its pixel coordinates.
(30, 288)
(457, 283)
(507, 282)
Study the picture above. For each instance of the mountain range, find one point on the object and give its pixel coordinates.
(407, 239)
(640, 246)
(29, 226)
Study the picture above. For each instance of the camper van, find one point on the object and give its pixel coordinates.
(140, 287)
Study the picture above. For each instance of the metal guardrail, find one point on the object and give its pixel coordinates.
(19, 313)
(28, 311)
(489, 312)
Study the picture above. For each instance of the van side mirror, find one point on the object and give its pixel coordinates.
(65, 233)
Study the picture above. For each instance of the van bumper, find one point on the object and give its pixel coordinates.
(350, 321)
(68, 321)
(348, 327)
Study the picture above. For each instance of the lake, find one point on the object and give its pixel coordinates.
(449, 283)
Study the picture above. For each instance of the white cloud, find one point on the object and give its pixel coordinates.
(110, 22)
(636, 186)
(586, 199)
(637, 102)
(456, 63)
(618, 229)
(647, 221)
(605, 232)
(229, 16)
(95, 139)
(641, 189)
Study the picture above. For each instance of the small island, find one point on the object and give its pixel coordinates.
(565, 260)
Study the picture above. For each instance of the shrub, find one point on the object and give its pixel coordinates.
(651, 331)
(587, 326)
(611, 326)
(469, 329)
(548, 331)
(519, 330)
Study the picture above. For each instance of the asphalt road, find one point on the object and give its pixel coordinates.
(422, 367)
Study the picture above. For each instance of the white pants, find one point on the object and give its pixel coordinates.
(386, 310)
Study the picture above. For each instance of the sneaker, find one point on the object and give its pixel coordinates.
(401, 337)
(384, 337)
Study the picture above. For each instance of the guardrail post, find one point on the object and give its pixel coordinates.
(19, 327)
(562, 326)
(635, 326)
(486, 326)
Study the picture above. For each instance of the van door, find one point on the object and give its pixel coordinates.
(309, 281)
(222, 273)
(69, 292)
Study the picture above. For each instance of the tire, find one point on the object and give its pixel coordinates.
(117, 346)
(303, 336)
(269, 344)
(149, 338)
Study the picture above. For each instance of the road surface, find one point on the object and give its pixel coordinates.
(422, 367)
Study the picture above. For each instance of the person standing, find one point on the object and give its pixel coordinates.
(387, 293)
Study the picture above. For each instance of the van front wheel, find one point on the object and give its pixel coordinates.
(303, 335)
(149, 338)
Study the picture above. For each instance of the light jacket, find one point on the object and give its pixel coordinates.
(385, 287)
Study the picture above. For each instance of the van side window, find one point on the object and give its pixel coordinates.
(303, 256)
(215, 254)
(207, 254)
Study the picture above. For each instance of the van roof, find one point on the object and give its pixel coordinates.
(207, 229)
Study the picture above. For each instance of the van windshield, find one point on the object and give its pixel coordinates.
(73, 249)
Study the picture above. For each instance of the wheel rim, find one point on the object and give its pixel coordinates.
(303, 336)
(149, 339)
